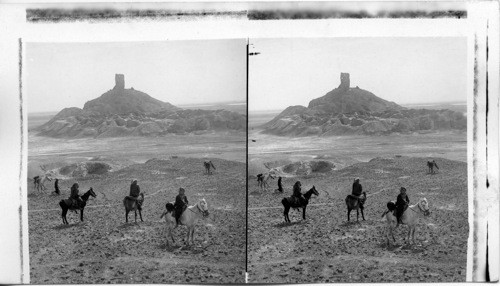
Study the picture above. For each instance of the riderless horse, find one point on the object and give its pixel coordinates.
(291, 202)
(132, 204)
(263, 178)
(354, 203)
(188, 218)
(431, 165)
(409, 217)
(39, 183)
(208, 165)
(67, 204)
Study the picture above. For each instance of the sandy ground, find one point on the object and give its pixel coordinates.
(105, 249)
(325, 247)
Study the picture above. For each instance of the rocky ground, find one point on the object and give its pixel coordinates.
(105, 249)
(327, 248)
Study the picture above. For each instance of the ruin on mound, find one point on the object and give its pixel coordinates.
(128, 112)
(349, 111)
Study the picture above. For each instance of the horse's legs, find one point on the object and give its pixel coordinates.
(192, 235)
(348, 214)
(64, 211)
(362, 214)
(126, 215)
(304, 213)
(135, 213)
(81, 214)
(140, 215)
(357, 214)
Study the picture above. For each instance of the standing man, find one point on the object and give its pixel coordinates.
(56, 187)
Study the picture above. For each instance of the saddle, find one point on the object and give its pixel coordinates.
(296, 202)
(138, 199)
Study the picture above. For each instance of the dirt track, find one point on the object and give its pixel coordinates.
(326, 248)
(105, 249)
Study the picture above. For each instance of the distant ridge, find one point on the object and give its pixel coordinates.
(347, 111)
(129, 112)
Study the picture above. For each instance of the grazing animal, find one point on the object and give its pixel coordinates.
(409, 217)
(67, 204)
(353, 203)
(133, 205)
(262, 180)
(39, 182)
(290, 202)
(431, 165)
(188, 218)
(208, 165)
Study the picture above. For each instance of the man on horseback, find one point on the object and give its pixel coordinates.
(75, 197)
(357, 190)
(135, 191)
(402, 203)
(297, 193)
(180, 204)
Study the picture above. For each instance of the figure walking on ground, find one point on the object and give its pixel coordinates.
(402, 203)
(280, 187)
(135, 191)
(180, 204)
(56, 187)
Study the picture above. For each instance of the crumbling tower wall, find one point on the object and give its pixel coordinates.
(119, 81)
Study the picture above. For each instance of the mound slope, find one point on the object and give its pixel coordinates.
(128, 112)
(349, 111)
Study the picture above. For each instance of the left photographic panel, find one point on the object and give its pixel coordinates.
(136, 161)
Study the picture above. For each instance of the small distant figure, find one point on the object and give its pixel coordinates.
(135, 191)
(402, 203)
(75, 197)
(297, 193)
(431, 165)
(36, 183)
(253, 140)
(260, 178)
(56, 187)
(208, 165)
(357, 191)
(280, 187)
(180, 204)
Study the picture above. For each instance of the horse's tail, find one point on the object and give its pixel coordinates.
(284, 201)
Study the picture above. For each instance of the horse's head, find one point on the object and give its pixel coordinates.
(314, 191)
(91, 192)
(203, 207)
(423, 205)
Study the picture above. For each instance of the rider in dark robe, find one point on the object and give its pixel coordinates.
(135, 191)
(357, 190)
(56, 187)
(280, 187)
(402, 203)
(75, 197)
(297, 193)
(180, 204)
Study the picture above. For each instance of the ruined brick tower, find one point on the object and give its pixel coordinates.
(345, 82)
(119, 81)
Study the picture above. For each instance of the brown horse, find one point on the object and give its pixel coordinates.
(133, 205)
(354, 203)
(290, 202)
(67, 204)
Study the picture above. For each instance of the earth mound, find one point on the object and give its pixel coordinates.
(354, 111)
(127, 112)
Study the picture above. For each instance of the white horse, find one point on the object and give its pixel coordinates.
(188, 218)
(262, 180)
(409, 217)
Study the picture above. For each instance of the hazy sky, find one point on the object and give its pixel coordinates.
(404, 70)
(60, 75)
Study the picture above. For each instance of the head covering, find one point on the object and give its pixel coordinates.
(134, 181)
(356, 179)
(181, 191)
(402, 189)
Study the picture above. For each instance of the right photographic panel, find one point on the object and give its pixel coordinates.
(357, 160)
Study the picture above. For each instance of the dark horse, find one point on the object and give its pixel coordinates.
(353, 203)
(290, 202)
(431, 165)
(208, 165)
(67, 204)
(133, 205)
